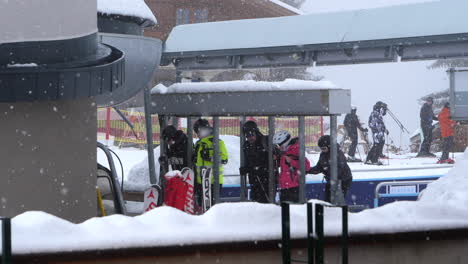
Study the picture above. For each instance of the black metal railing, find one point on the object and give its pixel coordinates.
(315, 240)
(6, 240)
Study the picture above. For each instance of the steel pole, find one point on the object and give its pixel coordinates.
(302, 173)
(149, 136)
(216, 159)
(243, 181)
(271, 163)
(333, 160)
(189, 141)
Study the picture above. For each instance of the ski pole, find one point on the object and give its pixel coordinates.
(388, 153)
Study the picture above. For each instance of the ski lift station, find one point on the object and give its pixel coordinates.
(53, 79)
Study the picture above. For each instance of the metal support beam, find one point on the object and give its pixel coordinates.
(337, 197)
(149, 136)
(333, 160)
(162, 145)
(189, 142)
(243, 181)
(302, 169)
(271, 163)
(216, 159)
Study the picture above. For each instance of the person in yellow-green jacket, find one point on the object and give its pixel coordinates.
(204, 154)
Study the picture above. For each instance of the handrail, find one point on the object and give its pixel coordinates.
(118, 196)
(377, 195)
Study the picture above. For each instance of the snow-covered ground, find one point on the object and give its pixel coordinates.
(443, 205)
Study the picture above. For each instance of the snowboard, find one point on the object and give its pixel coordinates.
(206, 188)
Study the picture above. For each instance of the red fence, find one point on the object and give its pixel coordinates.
(110, 123)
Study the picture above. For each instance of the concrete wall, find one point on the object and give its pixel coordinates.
(48, 158)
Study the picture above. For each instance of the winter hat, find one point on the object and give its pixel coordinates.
(447, 104)
(281, 138)
(169, 132)
(324, 141)
(200, 123)
(430, 99)
(250, 128)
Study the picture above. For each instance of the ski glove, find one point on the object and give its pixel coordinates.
(244, 170)
(162, 160)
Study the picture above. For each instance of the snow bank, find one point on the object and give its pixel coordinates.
(133, 8)
(443, 205)
(243, 86)
(138, 176)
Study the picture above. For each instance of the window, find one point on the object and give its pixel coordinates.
(201, 15)
(182, 16)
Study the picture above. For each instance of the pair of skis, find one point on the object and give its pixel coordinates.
(181, 182)
(206, 188)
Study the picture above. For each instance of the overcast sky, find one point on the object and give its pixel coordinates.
(400, 85)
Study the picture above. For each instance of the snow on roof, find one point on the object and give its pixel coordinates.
(133, 8)
(289, 7)
(242, 86)
(375, 24)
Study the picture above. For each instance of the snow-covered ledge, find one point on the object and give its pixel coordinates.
(130, 8)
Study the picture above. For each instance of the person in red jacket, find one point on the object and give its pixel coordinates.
(289, 166)
(446, 131)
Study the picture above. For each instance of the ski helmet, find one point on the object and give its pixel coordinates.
(250, 128)
(430, 99)
(281, 138)
(324, 141)
(169, 132)
(353, 109)
(200, 123)
(447, 104)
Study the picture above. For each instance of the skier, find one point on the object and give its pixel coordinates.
(427, 116)
(289, 166)
(379, 130)
(176, 150)
(203, 154)
(345, 176)
(446, 131)
(351, 123)
(255, 150)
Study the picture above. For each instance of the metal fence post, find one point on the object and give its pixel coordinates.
(217, 159)
(319, 245)
(285, 233)
(310, 234)
(344, 235)
(271, 163)
(6, 241)
(302, 173)
(243, 181)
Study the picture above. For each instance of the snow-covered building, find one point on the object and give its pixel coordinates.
(178, 12)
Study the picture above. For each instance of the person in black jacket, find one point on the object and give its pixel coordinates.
(176, 151)
(323, 166)
(427, 116)
(351, 123)
(255, 150)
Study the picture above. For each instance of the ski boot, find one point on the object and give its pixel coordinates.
(378, 163)
(353, 159)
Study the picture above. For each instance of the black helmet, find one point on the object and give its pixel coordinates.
(430, 99)
(169, 132)
(250, 127)
(200, 123)
(324, 141)
(447, 104)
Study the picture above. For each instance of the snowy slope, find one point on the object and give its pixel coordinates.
(443, 205)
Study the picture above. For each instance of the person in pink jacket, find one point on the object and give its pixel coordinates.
(289, 166)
